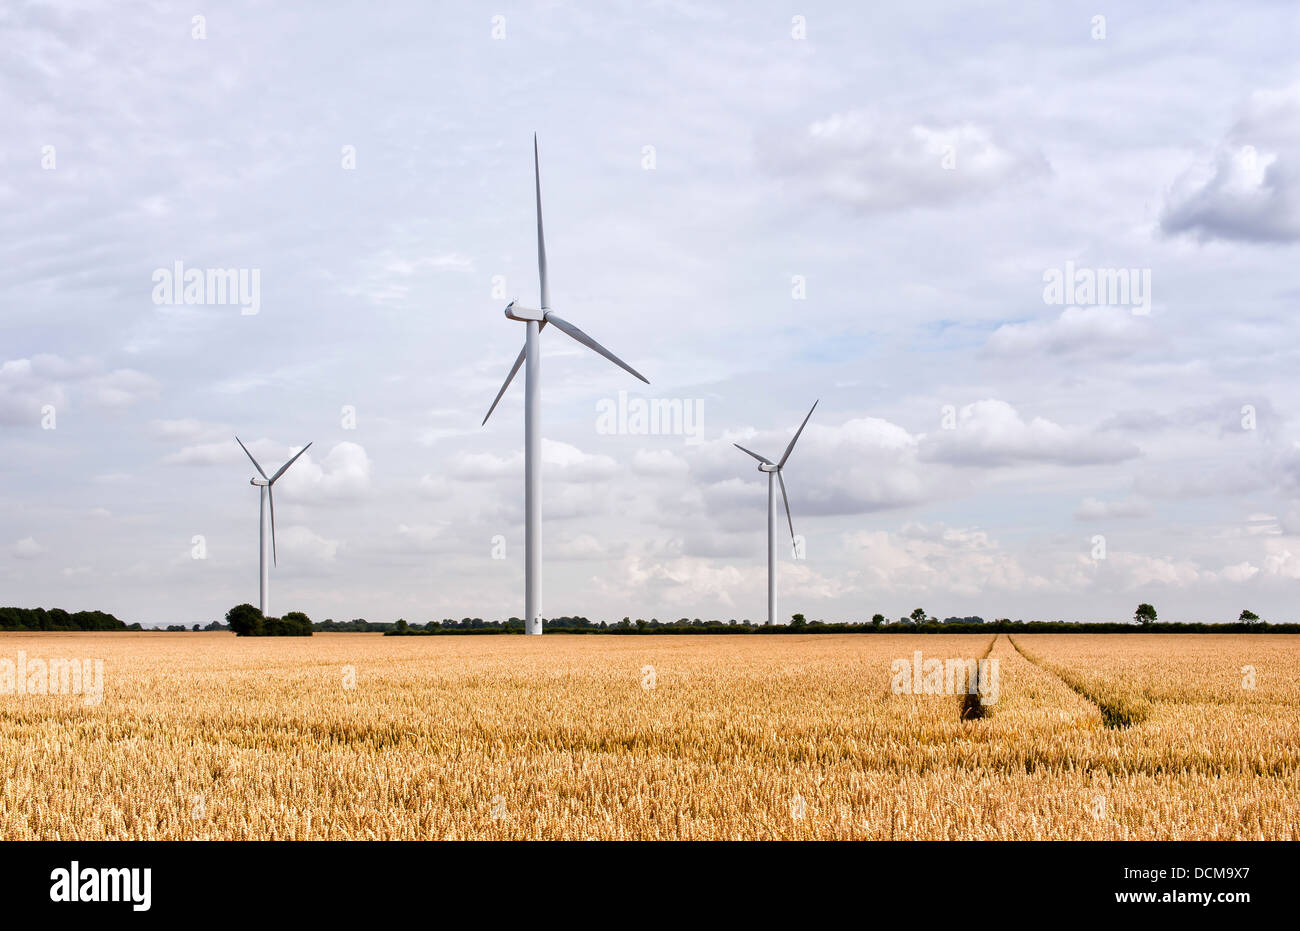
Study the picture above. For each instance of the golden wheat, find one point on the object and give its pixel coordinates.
(798, 736)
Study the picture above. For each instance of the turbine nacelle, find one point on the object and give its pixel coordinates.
(768, 467)
(516, 311)
(261, 482)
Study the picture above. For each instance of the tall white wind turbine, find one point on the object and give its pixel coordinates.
(530, 358)
(773, 470)
(268, 495)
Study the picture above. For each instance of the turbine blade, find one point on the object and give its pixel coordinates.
(783, 498)
(289, 463)
(541, 239)
(271, 494)
(795, 439)
(752, 453)
(514, 370)
(591, 344)
(250, 456)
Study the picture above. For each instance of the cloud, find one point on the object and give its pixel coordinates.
(387, 277)
(304, 543)
(663, 463)
(422, 537)
(1139, 570)
(204, 454)
(993, 433)
(562, 462)
(23, 392)
(701, 589)
(582, 546)
(875, 163)
(1241, 572)
(26, 385)
(927, 558)
(1207, 482)
(27, 548)
(1110, 331)
(859, 466)
(689, 582)
(1093, 509)
(1282, 558)
(1250, 192)
(122, 388)
(1226, 417)
(344, 474)
(187, 428)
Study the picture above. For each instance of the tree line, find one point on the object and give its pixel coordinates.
(247, 621)
(58, 619)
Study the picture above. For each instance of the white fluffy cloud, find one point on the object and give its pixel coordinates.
(343, 474)
(993, 433)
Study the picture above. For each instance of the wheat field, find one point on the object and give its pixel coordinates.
(358, 736)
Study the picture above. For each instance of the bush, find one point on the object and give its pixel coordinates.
(247, 621)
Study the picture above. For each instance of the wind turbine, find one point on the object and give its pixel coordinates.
(773, 469)
(530, 358)
(266, 485)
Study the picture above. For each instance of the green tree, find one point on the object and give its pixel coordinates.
(1248, 617)
(245, 620)
(297, 623)
(798, 621)
(1145, 614)
(918, 616)
(877, 620)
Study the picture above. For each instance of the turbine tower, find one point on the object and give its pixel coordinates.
(268, 495)
(773, 470)
(530, 358)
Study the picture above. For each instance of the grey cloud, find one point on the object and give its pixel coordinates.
(1251, 190)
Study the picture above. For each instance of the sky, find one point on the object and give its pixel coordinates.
(894, 212)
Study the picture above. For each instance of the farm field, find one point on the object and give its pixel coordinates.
(358, 736)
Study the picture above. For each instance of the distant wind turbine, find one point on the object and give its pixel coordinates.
(773, 469)
(530, 357)
(268, 495)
